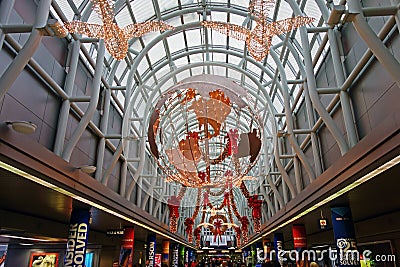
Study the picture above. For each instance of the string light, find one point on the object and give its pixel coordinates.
(259, 39)
(115, 38)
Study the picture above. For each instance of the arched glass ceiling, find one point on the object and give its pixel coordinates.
(156, 62)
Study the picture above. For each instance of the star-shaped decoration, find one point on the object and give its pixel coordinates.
(259, 39)
(115, 38)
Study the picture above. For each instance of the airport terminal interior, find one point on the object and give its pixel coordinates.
(185, 133)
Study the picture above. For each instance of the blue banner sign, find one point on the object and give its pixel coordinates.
(77, 238)
(151, 249)
(346, 245)
(278, 244)
(175, 255)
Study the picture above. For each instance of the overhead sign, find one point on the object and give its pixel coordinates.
(115, 232)
(151, 249)
(127, 245)
(77, 238)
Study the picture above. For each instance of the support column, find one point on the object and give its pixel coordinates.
(66, 105)
(344, 96)
(312, 86)
(92, 104)
(397, 16)
(26, 53)
(381, 52)
(5, 12)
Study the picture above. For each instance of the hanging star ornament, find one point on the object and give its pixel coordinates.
(259, 39)
(115, 38)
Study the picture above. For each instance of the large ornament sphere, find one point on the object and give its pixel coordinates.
(205, 132)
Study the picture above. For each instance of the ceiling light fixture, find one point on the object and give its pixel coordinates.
(115, 38)
(23, 127)
(89, 169)
(259, 39)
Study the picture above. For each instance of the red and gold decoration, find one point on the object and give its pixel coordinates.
(205, 134)
(255, 205)
(259, 39)
(173, 205)
(245, 228)
(196, 133)
(115, 38)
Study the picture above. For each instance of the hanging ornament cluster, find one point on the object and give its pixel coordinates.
(245, 228)
(255, 204)
(174, 203)
(205, 133)
(211, 148)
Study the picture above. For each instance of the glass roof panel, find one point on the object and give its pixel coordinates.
(142, 10)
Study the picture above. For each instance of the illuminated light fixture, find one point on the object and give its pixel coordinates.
(23, 127)
(115, 38)
(89, 169)
(25, 238)
(37, 180)
(384, 167)
(259, 39)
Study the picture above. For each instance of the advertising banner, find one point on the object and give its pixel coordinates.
(278, 244)
(299, 236)
(175, 255)
(151, 249)
(77, 238)
(181, 256)
(127, 245)
(343, 229)
(165, 251)
(267, 247)
(157, 260)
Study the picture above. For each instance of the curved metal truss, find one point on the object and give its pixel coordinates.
(283, 87)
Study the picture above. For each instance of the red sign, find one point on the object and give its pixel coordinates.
(126, 253)
(157, 260)
(299, 236)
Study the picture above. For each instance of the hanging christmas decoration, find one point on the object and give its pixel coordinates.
(217, 225)
(238, 232)
(258, 40)
(173, 205)
(115, 38)
(245, 224)
(255, 204)
(189, 222)
(197, 235)
(211, 150)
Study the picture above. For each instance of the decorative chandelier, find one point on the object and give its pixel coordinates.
(205, 132)
(259, 39)
(115, 38)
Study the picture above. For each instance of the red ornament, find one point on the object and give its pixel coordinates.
(245, 223)
(173, 204)
(255, 204)
(189, 227)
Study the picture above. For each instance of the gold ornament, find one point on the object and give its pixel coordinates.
(115, 38)
(259, 39)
